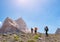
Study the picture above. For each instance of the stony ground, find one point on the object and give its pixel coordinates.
(30, 38)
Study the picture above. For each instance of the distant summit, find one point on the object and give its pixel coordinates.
(58, 31)
(12, 26)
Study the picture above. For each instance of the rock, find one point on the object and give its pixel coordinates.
(40, 38)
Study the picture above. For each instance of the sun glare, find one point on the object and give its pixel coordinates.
(29, 4)
(23, 2)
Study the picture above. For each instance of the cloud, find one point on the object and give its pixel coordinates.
(0, 23)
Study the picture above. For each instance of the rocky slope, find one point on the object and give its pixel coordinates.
(30, 38)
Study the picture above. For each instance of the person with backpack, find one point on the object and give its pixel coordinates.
(31, 30)
(46, 30)
(35, 30)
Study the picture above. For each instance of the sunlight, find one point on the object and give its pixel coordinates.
(29, 4)
(23, 2)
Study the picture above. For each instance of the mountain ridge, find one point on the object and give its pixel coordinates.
(10, 25)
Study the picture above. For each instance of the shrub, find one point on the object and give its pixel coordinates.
(31, 40)
(36, 36)
(16, 37)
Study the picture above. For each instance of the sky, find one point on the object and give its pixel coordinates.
(36, 13)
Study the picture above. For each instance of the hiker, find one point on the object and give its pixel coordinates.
(31, 30)
(46, 30)
(35, 30)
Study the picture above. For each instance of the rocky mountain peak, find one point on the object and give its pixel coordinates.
(22, 24)
(9, 25)
(20, 20)
(9, 21)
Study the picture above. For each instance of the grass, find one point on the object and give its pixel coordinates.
(30, 38)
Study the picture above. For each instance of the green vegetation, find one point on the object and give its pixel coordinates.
(16, 37)
(36, 36)
(31, 40)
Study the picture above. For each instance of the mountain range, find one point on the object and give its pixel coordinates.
(14, 26)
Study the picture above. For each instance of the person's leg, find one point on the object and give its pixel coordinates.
(32, 31)
(46, 33)
(35, 32)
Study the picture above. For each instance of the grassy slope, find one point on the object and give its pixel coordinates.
(30, 38)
